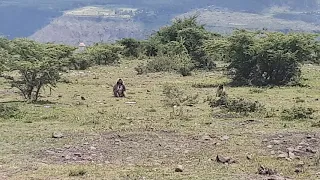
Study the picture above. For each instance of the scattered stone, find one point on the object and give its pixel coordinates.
(77, 154)
(273, 152)
(249, 157)
(292, 155)
(303, 144)
(57, 135)
(290, 149)
(277, 177)
(310, 150)
(300, 164)
(269, 146)
(179, 168)
(206, 138)
(298, 170)
(83, 98)
(67, 157)
(282, 156)
(224, 138)
(266, 171)
(265, 140)
(93, 148)
(309, 136)
(224, 160)
(276, 142)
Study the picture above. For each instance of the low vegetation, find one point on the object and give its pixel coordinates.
(164, 128)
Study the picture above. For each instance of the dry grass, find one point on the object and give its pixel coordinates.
(125, 137)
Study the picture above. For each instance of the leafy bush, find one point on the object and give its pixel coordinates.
(80, 172)
(80, 61)
(141, 69)
(8, 111)
(236, 105)
(104, 54)
(179, 63)
(175, 96)
(185, 35)
(297, 113)
(266, 59)
(131, 47)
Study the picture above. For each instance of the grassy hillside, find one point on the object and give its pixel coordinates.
(105, 137)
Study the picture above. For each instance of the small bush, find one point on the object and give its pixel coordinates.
(7, 111)
(175, 96)
(237, 105)
(165, 63)
(77, 172)
(256, 90)
(296, 113)
(205, 85)
(316, 124)
(141, 69)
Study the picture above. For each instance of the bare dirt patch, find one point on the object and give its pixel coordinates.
(145, 148)
(302, 144)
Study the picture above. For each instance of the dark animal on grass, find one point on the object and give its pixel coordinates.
(119, 88)
(221, 91)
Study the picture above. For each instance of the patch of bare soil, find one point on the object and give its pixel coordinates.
(147, 148)
(294, 144)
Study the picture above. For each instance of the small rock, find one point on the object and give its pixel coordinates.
(265, 140)
(224, 138)
(67, 157)
(272, 152)
(276, 142)
(224, 160)
(290, 149)
(266, 171)
(282, 156)
(298, 170)
(310, 150)
(206, 138)
(179, 168)
(93, 148)
(309, 136)
(300, 164)
(249, 157)
(77, 154)
(269, 146)
(303, 144)
(57, 135)
(292, 155)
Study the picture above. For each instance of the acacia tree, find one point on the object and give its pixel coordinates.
(271, 59)
(37, 65)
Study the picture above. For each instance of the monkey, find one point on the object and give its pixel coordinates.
(221, 91)
(119, 88)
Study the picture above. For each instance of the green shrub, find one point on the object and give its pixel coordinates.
(141, 69)
(80, 172)
(164, 63)
(296, 113)
(8, 111)
(236, 105)
(175, 96)
(273, 59)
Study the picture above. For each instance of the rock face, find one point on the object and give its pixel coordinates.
(70, 30)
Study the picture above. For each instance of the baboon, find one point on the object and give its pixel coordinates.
(119, 88)
(221, 91)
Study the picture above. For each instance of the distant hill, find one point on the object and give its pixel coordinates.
(71, 21)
